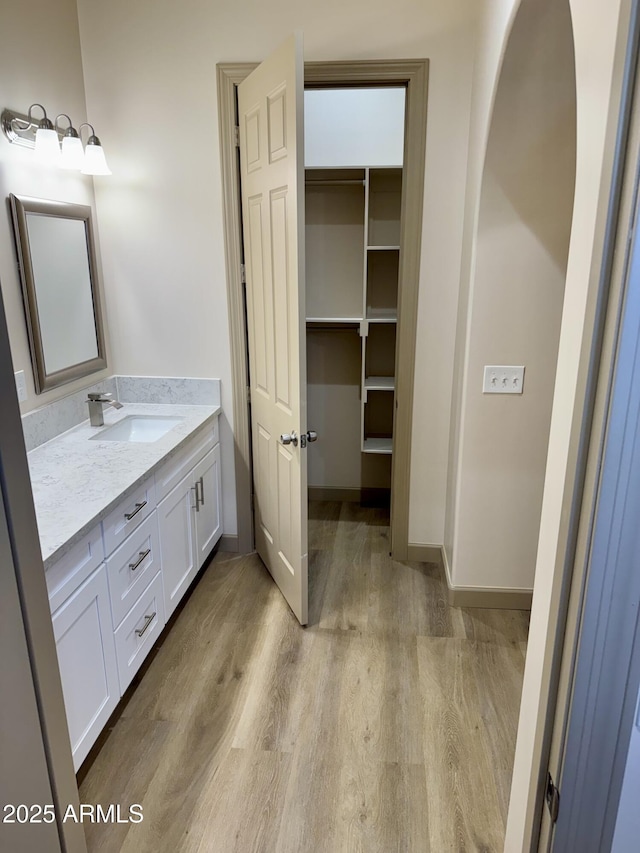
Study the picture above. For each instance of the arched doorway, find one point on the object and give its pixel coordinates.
(516, 301)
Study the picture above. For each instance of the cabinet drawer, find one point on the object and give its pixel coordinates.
(139, 631)
(179, 465)
(131, 567)
(67, 573)
(128, 515)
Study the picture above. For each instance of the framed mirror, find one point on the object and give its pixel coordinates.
(56, 258)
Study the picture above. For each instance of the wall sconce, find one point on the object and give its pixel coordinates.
(53, 144)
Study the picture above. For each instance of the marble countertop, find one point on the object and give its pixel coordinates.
(77, 482)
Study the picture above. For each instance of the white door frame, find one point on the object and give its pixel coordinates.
(622, 211)
(555, 620)
(606, 673)
(414, 75)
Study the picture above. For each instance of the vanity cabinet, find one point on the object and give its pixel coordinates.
(86, 655)
(189, 518)
(113, 591)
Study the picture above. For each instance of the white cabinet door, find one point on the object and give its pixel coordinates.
(177, 542)
(206, 477)
(86, 655)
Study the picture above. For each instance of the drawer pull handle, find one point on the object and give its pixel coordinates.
(141, 556)
(197, 506)
(201, 482)
(141, 631)
(139, 506)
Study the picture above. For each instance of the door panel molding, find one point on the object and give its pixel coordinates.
(414, 73)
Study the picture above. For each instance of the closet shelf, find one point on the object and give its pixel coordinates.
(382, 315)
(380, 383)
(338, 321)
(378, 445)
(383, 248)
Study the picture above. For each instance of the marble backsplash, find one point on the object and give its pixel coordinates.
(46, 423)
(161, 389)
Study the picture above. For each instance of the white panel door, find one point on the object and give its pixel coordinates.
(270, 109)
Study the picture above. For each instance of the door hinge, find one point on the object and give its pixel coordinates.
(552, 797)
(236, 132)
(243, 273)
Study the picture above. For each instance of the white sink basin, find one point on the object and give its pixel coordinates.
(137, 428)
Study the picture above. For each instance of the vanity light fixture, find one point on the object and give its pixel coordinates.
(46, 138)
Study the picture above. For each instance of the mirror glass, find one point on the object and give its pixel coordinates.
(57, 265)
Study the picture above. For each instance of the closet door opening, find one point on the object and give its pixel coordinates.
(354, 149)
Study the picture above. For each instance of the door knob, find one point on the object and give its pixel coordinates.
(308, 436)
(289, 438)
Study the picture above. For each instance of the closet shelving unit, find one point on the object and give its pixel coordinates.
(353, 252)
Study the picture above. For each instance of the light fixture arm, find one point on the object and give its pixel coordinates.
(44, 122)
(70, 131)
(86, 124)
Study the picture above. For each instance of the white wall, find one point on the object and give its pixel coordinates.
(40, 62)
(495, 19)
(516, 294)
(150, 70)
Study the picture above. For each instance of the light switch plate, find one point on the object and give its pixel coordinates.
(21, 386)
(503, 379)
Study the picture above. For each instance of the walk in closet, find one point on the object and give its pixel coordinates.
(354, 141)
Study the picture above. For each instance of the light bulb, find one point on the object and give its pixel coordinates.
(95, 163)
(47, 146)
(72, 153)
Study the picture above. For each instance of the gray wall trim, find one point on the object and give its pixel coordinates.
(229, 542)
(492, 598)
(229, 76)
(415, 74)
(425, 554)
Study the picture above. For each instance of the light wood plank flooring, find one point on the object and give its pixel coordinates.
(386, 726)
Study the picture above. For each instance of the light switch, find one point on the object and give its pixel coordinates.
(21, 386)
(503, 379)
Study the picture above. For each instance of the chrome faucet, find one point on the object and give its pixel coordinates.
(96, 412)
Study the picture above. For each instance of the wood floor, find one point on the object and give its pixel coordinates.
(388, 725)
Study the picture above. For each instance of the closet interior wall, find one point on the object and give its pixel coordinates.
(352, 262)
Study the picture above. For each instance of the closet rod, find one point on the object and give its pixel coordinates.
(336, 183)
